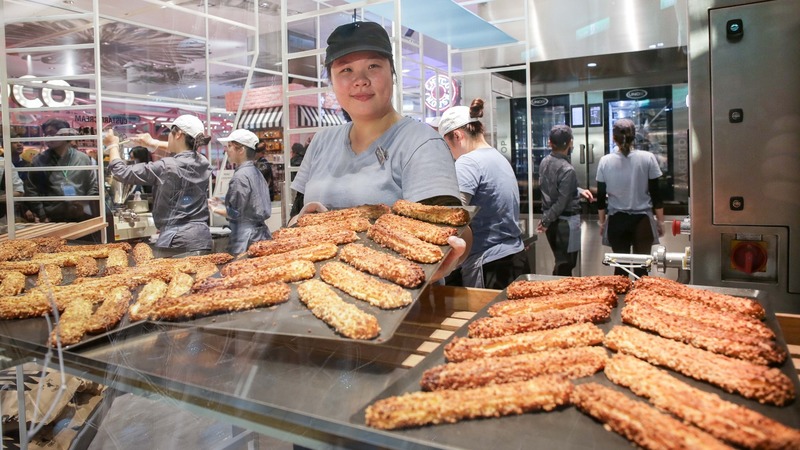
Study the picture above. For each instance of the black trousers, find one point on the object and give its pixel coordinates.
(497, 274)
(558, 237)
(626, 231)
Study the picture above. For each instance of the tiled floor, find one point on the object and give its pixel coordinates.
(592, 251)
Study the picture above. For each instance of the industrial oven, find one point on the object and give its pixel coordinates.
(744, 107)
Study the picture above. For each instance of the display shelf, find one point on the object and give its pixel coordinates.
(273, 139)
(66, 230)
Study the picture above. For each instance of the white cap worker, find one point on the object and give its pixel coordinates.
(247, 203)
(180, 182)
(485, 180)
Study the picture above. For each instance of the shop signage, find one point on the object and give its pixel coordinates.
(440, 92)
(115, 119)
(44, 95)
(636, 94)
(539, 101)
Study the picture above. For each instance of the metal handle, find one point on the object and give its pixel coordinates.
(591, 153)
(583, 153)
(660, 258)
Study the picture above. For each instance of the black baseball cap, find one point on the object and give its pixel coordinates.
(560, 135)
(357, 37)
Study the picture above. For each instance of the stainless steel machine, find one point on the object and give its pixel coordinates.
(132, 217)
(745, 171)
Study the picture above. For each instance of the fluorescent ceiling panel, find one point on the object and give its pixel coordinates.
(446, 22)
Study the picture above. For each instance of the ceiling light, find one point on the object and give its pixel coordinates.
(199, 98)
(191, 86)
(591, 64)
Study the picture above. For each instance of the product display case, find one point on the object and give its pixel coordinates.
(314, 392)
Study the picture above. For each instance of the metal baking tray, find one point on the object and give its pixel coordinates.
(294, 319)
(36, 329)
(565, 427)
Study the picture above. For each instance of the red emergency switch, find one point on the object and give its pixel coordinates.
(749, 256)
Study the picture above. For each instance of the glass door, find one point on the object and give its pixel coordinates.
(650, 109)
(546, 111)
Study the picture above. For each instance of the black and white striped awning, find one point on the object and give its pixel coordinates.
(260, 118)
(311, 116)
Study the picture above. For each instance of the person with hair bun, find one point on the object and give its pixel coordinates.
(628, 195)
(486, 180)
(180, 181)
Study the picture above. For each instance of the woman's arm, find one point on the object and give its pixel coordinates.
(654, 188)
(601, 205)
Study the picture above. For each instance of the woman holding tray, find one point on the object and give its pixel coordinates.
(380, 156)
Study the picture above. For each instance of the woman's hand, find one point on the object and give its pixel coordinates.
(145, 140)
(310, 207)
(109, 138)
(217, 206)
(458, 247)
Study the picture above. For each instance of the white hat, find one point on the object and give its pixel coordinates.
(433, 121)
(455, 118)
(244, 137)
(189, 124)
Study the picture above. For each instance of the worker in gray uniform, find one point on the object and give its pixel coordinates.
(180, 181)
(247, 202)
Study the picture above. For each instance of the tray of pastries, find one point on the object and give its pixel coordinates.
(353, 273)
(345, 274)
(593, 362)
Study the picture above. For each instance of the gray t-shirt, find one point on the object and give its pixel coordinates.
(487, 177)
(626, 179)
(409, 161)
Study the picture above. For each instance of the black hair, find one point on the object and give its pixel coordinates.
(193, 143)
(55, 123)
(298, 149)
(141, 154)
(624, 132)
(249, 152)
